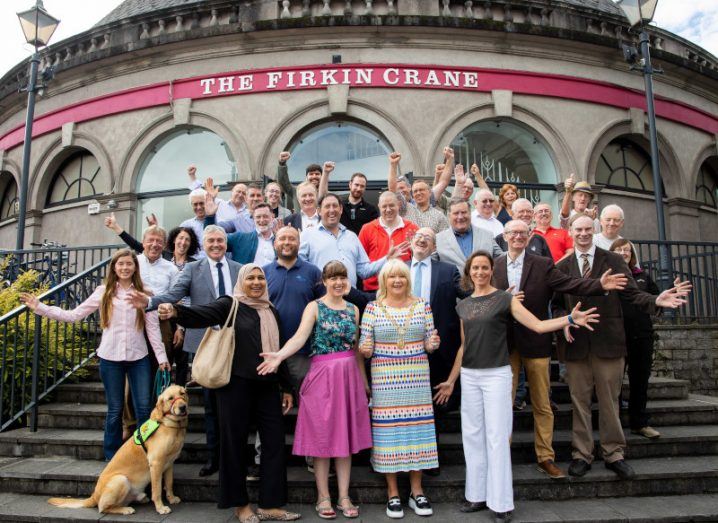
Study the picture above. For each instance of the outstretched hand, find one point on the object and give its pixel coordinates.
(611, 282)
(585, 318)
(271, 363)
(211, 188)
(675, 296)
(137, 299)
(444, 391)
(30, 300)
(210, 206)
(397, 251)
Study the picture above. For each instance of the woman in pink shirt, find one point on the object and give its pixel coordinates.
(123, 350)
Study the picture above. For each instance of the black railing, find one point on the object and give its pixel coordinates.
(37, 354)
(694, 261)
(55, 265)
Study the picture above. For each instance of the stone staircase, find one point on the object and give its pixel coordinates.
(676, 475)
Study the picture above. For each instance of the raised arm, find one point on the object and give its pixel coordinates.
(324, 180)
(283, 175)
(577, 317)
(442, 181)
(83, 310)
(272, 360)
(566, 202)
(394, 159)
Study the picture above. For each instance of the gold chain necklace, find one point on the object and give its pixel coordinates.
(400, 330)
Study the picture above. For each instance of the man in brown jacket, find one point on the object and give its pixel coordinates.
(595, 359)
(537, 278)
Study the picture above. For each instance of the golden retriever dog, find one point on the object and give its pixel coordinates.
(128, 473)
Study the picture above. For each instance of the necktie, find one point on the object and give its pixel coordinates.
(220, 280)
(417, 279)
(585, 266)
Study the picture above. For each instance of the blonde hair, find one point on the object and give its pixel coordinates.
(392, 268)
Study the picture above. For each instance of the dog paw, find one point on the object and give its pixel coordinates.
(163, 509)
(126, 511)
(173, 500)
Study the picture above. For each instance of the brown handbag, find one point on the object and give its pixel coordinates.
(212, 364)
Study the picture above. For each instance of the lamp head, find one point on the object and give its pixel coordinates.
(37, 25)
(638, 11)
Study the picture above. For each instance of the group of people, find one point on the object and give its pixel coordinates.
(378, 321)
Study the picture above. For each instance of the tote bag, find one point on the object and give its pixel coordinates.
(212, 365)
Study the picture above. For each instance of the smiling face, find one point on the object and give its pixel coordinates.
(484, 203)
(357, 187)
(421, 193)
(182, 243)
(239, 195)
(423, 243)
(516, 235)
(611, 223)
(125, 268)
(215, 245)
(274, 194)
(254, 284)
(523, 211)
(509, 197)
(263, 218)
(198, 206)
(330, 212)
(480, 271)
(581, 200)
(397, 285)
(307, 197)
(459, 217)
(336, 285)
(625, 252)
(582, 232)
(543, 215)
(314, 177)
(254, 197)
(389, 207)
(152, 245)
(403, 187)
(286, 243)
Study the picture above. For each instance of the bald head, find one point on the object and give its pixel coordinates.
(582, 232)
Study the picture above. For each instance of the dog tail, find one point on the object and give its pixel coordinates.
(73, 502)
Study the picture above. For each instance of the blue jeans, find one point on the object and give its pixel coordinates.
(113, 375)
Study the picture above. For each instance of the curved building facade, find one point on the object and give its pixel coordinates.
(530, 91)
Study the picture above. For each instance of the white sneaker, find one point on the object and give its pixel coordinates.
(420, 505)
(394, 509)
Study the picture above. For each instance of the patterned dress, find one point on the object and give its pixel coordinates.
(402, 416)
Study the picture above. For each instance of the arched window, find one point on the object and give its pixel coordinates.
(707, 183)
(162, 181)
(351, 146)
(8, 196)
(625, 165)
(507, 152)
(79, 177)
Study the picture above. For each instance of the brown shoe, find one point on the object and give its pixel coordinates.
(549, 468)
(647, 432)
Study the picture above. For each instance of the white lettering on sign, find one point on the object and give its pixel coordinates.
(354, 76)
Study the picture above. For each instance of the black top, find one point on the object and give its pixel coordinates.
(637, 323)
(486, 320)
(247, 336)
(354, 216)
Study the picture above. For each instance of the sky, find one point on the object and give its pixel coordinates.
(695, 20)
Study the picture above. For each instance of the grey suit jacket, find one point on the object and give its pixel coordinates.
(449, 250)
(194, 281)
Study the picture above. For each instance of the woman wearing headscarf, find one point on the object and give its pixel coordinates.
(247, 396)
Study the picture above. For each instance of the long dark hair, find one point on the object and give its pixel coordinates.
(193, 241)
(466, 282)
(111, 280)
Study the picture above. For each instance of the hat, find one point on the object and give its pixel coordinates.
(583, 187)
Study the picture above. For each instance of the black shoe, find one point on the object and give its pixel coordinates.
(472, 506)
(393, 508)
(209, 468)
(622, 469)
(253, 473)
(578, 468)
(503, 517)
(433, 472)
(519, 405)
(420, 505)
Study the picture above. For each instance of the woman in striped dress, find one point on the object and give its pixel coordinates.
(397, 331)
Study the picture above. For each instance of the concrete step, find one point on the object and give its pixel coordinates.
(64, 476)
(658, 389)
(696, 410)
(657, 509)
(681, 440)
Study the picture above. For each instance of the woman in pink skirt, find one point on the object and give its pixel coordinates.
(333, 420)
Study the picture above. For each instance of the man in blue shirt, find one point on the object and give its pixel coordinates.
(292, 283)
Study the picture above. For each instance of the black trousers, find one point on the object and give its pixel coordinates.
(239, 403)
(639, 361)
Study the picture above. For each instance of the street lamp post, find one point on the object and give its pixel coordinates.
(38, 27)
(640, 12)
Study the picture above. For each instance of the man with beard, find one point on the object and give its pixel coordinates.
(356, 211)
(250, 247)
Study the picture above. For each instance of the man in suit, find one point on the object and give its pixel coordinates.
(439, 284)
(595, 358)
(536, 278)
(456, 243)
(307, 216)
(203, 281)
(256, 246)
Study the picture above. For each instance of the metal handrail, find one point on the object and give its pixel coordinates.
(58, 350)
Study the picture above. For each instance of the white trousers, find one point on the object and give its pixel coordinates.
(486, 422)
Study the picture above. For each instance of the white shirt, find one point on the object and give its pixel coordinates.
(309, 221)
(158, 276)
(390, 230)
(599, 240)
(514, 269)
(425, 267)
(265, 250)
(226, 212)
(591, 253)
(225, 272)
(493, 225)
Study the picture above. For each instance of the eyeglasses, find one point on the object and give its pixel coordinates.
(517, 233)
(420, 236)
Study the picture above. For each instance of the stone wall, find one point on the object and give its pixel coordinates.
(688, 352)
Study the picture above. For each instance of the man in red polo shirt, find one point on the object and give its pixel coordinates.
(559, 240)
(378, 235)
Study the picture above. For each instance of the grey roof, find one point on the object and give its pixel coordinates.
(130, 8)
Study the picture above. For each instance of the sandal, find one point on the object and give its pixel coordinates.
(249, 519)
(284, 515)
(324, 508)
(349, 512)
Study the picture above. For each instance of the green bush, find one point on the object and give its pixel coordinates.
(61, 346)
